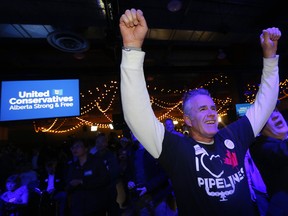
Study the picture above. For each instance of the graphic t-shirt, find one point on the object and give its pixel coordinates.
(210, 179)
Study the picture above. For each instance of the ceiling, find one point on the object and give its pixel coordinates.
(190, 37)
(184, 48)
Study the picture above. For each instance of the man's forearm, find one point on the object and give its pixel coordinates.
(137, 109)
(267, 95)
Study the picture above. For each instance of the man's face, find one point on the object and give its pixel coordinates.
(78, 149)
(169, 125)
(11, 186)
(276, 126)
(101, 142)
(203, 118)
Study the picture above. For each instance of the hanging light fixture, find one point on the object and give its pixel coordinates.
(174, 5)
(68, 42)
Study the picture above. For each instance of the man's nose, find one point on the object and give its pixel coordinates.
(211, 112)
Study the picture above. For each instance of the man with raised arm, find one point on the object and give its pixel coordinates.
(206, 168)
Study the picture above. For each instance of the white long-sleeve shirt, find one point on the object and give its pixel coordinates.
(142, 121)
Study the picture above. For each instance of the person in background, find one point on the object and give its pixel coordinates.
(35, 157)
(123, 156)
(14, 200)
(87, 182)
(52, 188)
(8, 163)
(148, 184)
(169, 126)
(27, 174)
(257, 186)
(207, 168)
(111, 161)
(270, 154)
(113, 141)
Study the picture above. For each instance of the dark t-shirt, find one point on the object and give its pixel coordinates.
(93, 194)
(271, 157)
(210, 179)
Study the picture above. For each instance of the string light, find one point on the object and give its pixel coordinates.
(103, 98)
(252, 89)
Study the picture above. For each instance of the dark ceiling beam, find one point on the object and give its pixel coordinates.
(61, 13)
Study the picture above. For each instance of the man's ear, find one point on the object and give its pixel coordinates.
(187, 120)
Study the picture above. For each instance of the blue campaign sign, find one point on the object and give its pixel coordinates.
(36, 99)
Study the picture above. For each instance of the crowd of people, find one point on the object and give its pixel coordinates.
(85, 177)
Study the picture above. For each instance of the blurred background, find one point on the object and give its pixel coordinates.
(205, 43)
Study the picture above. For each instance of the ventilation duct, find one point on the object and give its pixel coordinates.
(68, 42)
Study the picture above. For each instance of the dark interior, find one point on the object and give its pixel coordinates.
(214, 44)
